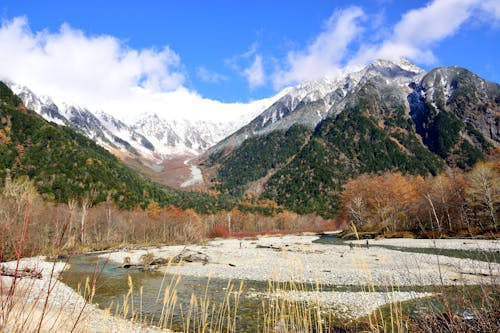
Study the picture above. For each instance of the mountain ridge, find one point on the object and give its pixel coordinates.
(393, 116)
(388, 119)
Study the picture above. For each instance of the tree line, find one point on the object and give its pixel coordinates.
(30, 225)
(451, 203)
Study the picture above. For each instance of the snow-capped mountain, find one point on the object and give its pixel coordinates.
(310, 102)
(148, 135)
(182, 135)
(111, 133)
(156, 137)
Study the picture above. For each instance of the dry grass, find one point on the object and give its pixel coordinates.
(24, 308)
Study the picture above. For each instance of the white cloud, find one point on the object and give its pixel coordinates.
(419, 29)
(324, 55)
(210, 76)
(250, 65)
(415, 37)
(103, 73)
(255, 73)
(71, 66)
(492, 9)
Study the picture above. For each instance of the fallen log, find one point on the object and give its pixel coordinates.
(20, 273)
(258, 246)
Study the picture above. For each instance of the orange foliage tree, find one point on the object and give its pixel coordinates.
(381, 201)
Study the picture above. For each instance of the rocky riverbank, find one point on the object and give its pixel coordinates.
(61, 308)
(297, 258)
(280, 259)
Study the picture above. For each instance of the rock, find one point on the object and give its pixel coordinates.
(160, 261)
(187, 255)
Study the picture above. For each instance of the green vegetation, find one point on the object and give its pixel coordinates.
(343, 148)
(257, 155)
(443, 133)
(64, 164)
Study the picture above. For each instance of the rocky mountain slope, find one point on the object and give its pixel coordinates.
(147, 136)
(387, 116)
(109, 132)
(310, 102)
(64, 164)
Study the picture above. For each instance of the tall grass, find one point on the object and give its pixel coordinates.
(23, 307)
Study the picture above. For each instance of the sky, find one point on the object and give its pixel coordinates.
(201, 57)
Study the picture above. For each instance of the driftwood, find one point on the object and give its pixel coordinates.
(150, 263)
(20, 273)
(268, 247)
(477, 273)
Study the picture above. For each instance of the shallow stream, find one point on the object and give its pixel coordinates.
(488, 256)
(113, 285)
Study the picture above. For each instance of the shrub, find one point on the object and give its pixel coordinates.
(219, 231)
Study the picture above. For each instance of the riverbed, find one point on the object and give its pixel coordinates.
(350, 280)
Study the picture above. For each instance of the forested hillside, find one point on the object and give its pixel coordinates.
(416, 125)
(66, 165)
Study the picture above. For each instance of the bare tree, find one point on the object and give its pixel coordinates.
(72, 206)
(483, 190)
(86, 204)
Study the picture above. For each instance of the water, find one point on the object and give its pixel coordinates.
(113, 285)
(488, 256)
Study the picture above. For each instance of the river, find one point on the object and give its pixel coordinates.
(113, 285)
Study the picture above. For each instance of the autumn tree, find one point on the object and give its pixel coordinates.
(444, 201)
(384, 201)
(483, 190)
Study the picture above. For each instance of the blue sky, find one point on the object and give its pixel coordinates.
(232, 51)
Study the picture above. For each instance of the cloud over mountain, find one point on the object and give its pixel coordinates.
(346, 38)
(103, 73)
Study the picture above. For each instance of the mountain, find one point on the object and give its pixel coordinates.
(182, 136)
(311, 102)
(161, 148)
(387, 116)
(148, 135)
(64, 164)
(109, 132)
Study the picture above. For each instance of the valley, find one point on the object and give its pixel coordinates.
(382, 152)
(250, 166)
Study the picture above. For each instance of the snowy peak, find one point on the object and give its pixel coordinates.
(177, 135)
(393, 68)
(42, 105)
(310, 102)
(99, 126)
